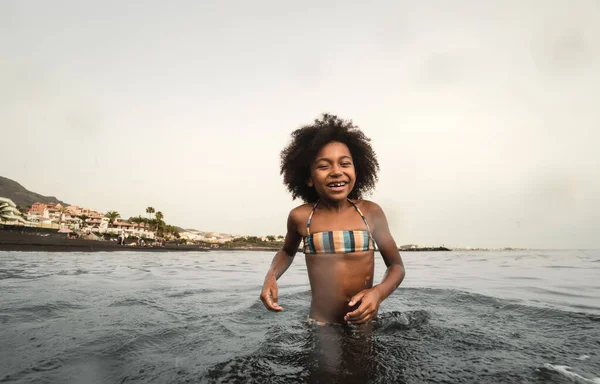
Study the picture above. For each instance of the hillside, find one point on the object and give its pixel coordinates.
(21, 196)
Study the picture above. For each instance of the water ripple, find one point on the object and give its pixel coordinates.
(158, 318)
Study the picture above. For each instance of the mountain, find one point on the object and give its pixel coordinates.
(21, 196)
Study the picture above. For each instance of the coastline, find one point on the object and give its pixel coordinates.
(50, 241)
(34, 242)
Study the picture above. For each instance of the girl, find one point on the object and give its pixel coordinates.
(330, 165)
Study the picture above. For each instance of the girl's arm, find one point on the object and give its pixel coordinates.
(371, 298)
(395, 272)
(281, 262)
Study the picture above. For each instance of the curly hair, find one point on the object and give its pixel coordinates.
(298, 155)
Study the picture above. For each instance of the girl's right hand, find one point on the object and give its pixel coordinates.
(269, 295)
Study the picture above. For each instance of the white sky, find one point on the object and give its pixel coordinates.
(484, 114)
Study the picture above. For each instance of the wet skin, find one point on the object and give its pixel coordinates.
(341, 284)
(334, 281)
(336, 278)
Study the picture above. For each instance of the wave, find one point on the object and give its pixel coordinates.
(42, 368)
(191, 292)
(492, 336)
(73, 273)
(555, 372)
(58, 309)
(57, 306)
(171, 333)
(20, 274)
(27, 275)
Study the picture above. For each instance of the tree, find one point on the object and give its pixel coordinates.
(61, 212)
(160, 223)
(83, 218)
(150, 211)
(137, 220)
(171, 230)
(152, 224)
(112, 216)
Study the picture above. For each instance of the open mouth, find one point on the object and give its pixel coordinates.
(338, 185)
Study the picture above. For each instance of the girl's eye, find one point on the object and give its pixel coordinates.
(346, 164)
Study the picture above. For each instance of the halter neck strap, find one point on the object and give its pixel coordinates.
(355, 207)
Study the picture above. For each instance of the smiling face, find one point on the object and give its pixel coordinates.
(332, 172)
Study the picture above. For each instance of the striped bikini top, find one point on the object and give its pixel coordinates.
(338, 241)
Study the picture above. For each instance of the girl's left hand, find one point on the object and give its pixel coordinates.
(370, 300)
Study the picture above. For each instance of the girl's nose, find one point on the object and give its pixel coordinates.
(336, 170)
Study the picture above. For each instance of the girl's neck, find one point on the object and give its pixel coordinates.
(333, 206)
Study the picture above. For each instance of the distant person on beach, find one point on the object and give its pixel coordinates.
(331, 165)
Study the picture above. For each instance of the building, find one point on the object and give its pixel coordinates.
(37, 208)
(74, 210)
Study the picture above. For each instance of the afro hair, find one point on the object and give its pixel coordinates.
(298, 155)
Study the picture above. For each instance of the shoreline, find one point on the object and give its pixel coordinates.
(92, 248)
(18, 241)
(34, 242)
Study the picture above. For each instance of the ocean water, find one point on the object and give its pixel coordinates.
(459, 317)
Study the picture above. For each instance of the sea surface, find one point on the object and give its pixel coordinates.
(459, 317)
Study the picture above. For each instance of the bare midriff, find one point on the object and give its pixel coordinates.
(334, 279)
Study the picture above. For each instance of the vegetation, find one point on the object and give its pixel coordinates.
(62, 211)
(137, 220)
(83, 218)
(149, 211)
(156, 224)
(112, 216)
(252, 242)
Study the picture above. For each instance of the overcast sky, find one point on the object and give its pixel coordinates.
(484, 114)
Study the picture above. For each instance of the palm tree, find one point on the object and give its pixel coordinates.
(112, 216)
(159, 222)
(150, 211)
(174, 231)
(145, 221)
(61, 214)
(141, 220)
(83, 218)
(152, 225)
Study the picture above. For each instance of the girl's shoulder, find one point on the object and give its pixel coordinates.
(372, 211)
(303, 207)
(302, 211)
(298, 218)
(367, 205)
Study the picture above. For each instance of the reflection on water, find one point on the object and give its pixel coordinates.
(315, 354)
(341, 353)
(181, 317)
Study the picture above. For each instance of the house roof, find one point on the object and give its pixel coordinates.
(123, 224)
